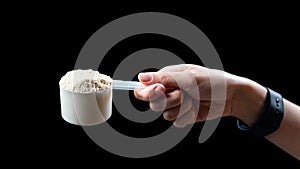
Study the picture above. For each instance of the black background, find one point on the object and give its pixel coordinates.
(257, 41)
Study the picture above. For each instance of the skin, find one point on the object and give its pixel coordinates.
(244, 99)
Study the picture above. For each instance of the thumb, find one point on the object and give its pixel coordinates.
(162, 77)
(182, 79)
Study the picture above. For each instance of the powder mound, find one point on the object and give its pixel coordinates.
(85, 81)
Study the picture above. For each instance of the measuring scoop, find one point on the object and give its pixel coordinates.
(92, 108)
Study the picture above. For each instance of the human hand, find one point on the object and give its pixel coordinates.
(189, 93)
(184, 93)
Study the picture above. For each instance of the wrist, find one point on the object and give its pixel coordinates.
(271, 117)
(249, 101)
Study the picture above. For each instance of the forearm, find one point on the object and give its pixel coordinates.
(249, 106)
(287, 136)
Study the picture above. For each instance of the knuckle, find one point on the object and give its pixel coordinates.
(192, 117)
(155, 107)
(180, 123)
(177, 96)
(163, 77)
(139, 96)
(168, 116)
(188, 105)
(166, 78)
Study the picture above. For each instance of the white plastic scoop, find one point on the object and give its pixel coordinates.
(126, 85)
(91, 108)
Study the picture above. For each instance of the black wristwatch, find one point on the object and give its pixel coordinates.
(271, 118)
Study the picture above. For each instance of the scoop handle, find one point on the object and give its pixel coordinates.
(127, 85)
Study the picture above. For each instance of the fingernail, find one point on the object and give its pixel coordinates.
(145, 77)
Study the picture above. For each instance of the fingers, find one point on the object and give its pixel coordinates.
(171, 114)
(179, 106)
(187, 113)
(153, 91)
(188, 118)
(167, 101)
(178, 111)
(159, 100)
(183, 115)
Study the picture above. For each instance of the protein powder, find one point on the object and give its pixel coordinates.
(85, 81)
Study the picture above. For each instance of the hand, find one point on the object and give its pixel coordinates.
(184, 94)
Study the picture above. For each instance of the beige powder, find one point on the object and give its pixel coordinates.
(85, 81)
